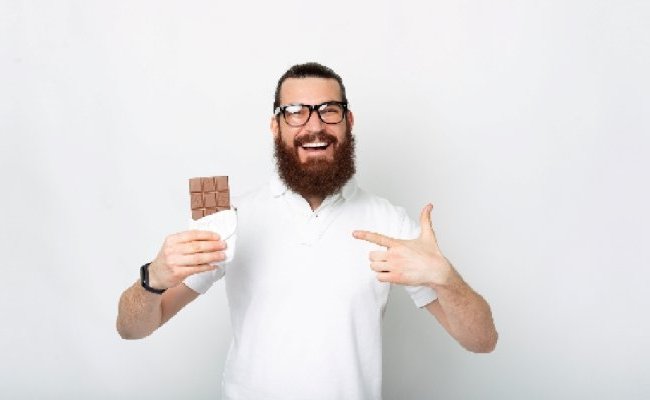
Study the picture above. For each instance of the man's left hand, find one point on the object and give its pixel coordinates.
(416, 262)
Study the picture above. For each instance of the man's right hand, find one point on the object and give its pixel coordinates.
(184, 254)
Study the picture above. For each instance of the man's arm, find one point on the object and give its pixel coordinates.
(465, 315)
(187, 253)
(419, 262)
(141, 312)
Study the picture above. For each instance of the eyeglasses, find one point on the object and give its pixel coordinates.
(330, 112)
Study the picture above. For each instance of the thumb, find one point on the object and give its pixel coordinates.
(426, 226)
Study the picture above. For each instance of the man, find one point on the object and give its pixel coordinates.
(310, 279)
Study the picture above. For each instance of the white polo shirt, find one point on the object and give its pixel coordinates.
(305, 306)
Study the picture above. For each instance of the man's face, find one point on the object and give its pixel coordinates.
(308, 170)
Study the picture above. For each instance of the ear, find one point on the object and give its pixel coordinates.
(275, 128)
(350, 119)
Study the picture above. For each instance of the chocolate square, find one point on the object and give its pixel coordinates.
(196, 214)
(210, 199)
(196, 200)
(195, 185)
(223, 199)
(221, 183)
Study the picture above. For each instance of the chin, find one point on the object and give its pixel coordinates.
(317, 161)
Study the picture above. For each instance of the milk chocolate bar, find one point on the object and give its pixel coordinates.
(209, 195)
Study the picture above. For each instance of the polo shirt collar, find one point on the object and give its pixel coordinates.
(279, 188)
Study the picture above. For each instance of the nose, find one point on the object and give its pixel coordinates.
(314, 123)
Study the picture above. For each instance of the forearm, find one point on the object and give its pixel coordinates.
(139, 313)
(466, 315)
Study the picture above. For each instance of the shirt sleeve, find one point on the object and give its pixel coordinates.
(421, 295)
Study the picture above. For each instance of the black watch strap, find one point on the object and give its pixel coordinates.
(144, 280)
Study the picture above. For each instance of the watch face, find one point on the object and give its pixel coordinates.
(144, 280)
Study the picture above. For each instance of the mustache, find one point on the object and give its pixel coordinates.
(315, 137)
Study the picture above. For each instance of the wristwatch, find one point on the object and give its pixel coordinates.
(144, 280)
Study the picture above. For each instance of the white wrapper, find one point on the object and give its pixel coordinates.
(224, 223)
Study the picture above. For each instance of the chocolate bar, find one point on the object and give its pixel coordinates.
(209, 195)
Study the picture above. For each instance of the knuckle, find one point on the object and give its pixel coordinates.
(172, 261)
(168, 251)
(175, 274)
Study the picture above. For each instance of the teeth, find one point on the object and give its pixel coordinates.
(309, 145)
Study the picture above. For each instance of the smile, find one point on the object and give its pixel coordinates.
(317, 146)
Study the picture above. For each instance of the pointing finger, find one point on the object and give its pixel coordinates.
(375, 238)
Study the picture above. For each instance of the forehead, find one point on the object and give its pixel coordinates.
(309, 90)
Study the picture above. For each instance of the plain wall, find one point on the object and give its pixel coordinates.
(524, 122)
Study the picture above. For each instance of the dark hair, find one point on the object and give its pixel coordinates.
(308, 70)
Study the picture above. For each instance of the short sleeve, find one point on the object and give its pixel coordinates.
(203, 281)
(421, 295)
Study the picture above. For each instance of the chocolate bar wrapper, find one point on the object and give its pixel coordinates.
(224, 223)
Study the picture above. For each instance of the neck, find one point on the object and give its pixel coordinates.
(314, 201)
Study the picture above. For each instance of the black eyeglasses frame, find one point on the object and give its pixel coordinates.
(312, 108)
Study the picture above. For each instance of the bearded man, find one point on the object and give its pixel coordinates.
(310, 279)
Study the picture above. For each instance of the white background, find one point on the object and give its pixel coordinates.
(525, 123)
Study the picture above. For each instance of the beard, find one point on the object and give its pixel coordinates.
(316, 177)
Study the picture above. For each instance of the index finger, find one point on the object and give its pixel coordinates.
(376, 238)
(190, 236)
